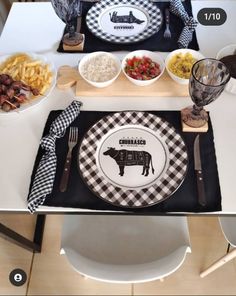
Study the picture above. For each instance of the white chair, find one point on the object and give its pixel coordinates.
(125, 249)
(228, 227)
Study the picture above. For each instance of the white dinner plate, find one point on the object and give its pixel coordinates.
(124, 21)
(32, 101)
(133, 159)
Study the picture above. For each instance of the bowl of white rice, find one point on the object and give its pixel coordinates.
(99, 68)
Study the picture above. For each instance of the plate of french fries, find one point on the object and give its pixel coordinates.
(25, 80)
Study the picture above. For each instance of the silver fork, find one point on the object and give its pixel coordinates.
(167, 33)
(73, 138)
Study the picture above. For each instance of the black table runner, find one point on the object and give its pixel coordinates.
(155, 43)
(183, 200)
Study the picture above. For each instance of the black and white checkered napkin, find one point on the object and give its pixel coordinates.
(177, 8)
(45, 174)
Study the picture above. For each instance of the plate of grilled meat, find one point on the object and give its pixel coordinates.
(25, 80)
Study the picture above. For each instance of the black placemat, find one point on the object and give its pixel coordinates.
(183, 200)
(156, 42)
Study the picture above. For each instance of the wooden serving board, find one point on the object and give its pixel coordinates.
(164, 87)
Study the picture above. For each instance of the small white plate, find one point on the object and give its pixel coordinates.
(228, 50)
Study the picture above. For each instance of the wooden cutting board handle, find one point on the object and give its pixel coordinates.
(67, 77)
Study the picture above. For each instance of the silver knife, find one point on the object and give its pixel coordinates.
(79, 18)
(198, 171)
(79, 21)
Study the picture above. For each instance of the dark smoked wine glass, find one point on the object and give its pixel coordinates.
(68, 11)
(207, 81)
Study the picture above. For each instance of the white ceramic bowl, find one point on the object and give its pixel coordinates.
(228, 50)
(197, 55)
(141, 53)
(90, 57)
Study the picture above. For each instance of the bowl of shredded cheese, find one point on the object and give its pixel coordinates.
(179, 64)
(100, 68)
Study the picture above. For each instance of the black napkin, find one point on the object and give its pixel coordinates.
(156, 42)
(183, 200)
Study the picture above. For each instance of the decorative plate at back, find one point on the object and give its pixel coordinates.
(132, 159)
(124, 21)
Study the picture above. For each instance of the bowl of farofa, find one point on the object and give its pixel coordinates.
(100, 68)
(179, 64)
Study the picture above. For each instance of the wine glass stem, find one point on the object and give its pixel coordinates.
(71, 31)
(197, 110)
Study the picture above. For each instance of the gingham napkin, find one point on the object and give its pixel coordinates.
(177, 8)
(45, 174)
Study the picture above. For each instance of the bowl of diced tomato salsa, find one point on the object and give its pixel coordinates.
(143, 67)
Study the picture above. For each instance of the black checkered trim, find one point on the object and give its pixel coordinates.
(162, 189)
(177, 8)
(154, 25)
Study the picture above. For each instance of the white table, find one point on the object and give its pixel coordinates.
(34, 27)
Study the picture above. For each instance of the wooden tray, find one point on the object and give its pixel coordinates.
(165, 86)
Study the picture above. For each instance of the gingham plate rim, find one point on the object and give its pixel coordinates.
(185, 151)
(155, 21)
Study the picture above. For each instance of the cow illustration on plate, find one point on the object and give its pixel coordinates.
(129, 18)
(132, 156)
(125, 157)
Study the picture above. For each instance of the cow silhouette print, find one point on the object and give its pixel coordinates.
(125, 157)
(129, 18)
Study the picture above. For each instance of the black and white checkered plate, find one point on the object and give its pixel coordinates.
(124, 21)
(157, 191)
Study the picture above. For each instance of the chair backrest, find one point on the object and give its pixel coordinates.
(228, 226)
(125, 248)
